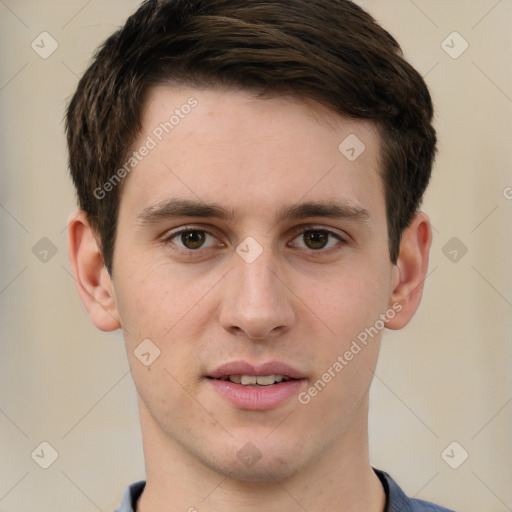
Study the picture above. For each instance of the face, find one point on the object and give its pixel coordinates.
(249, 244)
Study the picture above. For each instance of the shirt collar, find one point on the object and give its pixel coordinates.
(130, 497)
(396, 500)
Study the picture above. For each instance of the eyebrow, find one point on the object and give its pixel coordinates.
(172, 208)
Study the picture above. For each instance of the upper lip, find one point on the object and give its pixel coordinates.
(246, 368)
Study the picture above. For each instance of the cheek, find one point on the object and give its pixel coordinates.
(350, 300)
(156, 299)
(168, 396)
(347, 353)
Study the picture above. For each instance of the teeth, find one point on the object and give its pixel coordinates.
(251, 380)
(266, 380)
(248, 380)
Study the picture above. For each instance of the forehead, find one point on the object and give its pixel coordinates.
(252, 154)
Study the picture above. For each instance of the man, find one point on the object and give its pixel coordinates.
(249, 175)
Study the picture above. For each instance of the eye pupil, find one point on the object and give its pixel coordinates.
(193, 239)
(316, 239)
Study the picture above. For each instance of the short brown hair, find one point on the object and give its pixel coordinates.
(331, 51)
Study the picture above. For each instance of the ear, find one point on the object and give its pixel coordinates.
(410, 271)
(92, 279)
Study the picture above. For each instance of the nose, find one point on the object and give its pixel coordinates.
(257, 302)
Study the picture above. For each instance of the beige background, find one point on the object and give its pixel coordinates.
(446, 377)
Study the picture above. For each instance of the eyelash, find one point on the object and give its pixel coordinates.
(167, 239)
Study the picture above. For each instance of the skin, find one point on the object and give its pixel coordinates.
(206, 306)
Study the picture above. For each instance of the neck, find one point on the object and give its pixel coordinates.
(339, 480)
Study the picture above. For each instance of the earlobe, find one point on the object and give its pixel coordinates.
(410, 270)
(93, 282)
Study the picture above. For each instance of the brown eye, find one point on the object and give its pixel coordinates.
(193, 239)
(315, 239)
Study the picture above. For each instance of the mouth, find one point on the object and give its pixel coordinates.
(248, 374)
(256, 387)
(253, 380)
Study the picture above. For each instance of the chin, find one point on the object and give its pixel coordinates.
(263, 471)
(268, 463)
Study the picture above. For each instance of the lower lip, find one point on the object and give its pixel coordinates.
(254, 398)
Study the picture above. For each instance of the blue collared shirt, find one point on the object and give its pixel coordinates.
(396, 500)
